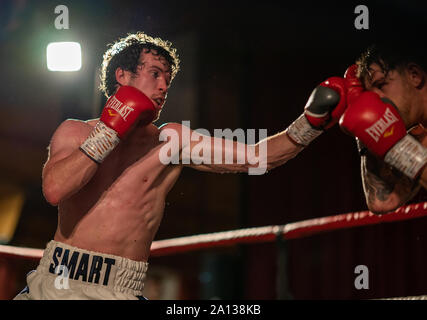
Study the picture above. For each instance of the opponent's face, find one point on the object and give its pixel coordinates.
(152, 77)
(392, 85)
(405, 87)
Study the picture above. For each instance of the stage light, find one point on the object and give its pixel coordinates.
(64, 56)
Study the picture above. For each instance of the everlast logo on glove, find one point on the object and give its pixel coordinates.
(379, 128)
(120, 107)
(82, 266)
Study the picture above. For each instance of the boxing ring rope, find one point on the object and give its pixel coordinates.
(294, 230)
(288, 231)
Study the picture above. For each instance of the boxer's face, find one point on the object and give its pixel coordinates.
(401, 86)
(152, 77)
(391, 84)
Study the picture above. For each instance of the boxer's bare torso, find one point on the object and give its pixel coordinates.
(116, 207)
(119, 210)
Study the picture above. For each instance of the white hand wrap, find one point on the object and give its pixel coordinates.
(301, 132)
(101, 141)
(408, 156)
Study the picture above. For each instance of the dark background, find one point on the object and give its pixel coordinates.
(244, 65)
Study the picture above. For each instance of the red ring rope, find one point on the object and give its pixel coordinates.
(292, 230)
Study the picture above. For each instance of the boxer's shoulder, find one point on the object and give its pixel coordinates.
(172, 126)
(75, 124)
(73, 129)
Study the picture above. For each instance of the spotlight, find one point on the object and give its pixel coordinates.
(64, 56)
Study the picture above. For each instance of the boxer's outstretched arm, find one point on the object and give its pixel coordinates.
(67, 169)
(221, 155)
(385, 188)
(323, 109)
(258, 158)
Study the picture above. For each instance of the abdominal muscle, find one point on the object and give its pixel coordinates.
(124, 231)
(119, 211)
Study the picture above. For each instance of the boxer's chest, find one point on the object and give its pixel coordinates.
(128, 152)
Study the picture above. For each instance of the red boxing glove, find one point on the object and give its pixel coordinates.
(323, 109)
(378, 125)
(326, 103)
(122, 111)
(125, 108)
(354, 86)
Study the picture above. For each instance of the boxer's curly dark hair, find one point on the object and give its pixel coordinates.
(125, 53)
(392, 56)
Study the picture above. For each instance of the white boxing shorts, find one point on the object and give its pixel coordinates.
(66, 272)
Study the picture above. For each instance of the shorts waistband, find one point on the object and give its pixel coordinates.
(93, 268)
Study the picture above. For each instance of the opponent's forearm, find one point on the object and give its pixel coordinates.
(67, 176)
(385, 188)
(377, 191)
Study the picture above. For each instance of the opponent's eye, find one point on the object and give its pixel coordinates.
(379, 84)
(155, 74)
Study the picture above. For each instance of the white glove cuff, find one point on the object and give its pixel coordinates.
(408, 156)
(101, 141)
(301, 132)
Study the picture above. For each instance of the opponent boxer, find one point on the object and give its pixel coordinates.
(106, 177)
(395, 75)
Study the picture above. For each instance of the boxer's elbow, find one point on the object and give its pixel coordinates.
(51, 196)
(382, 207)
(379, 210)
(51, 192)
